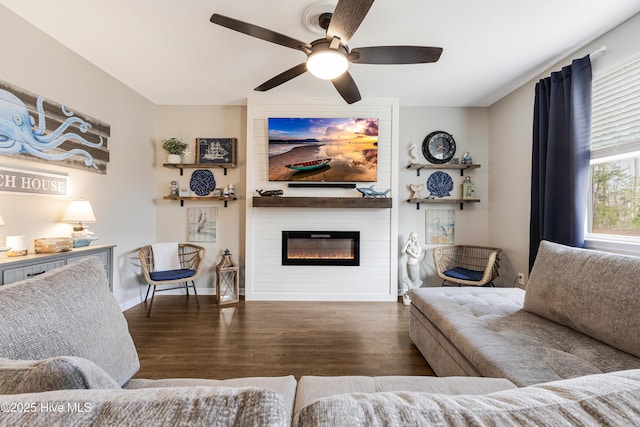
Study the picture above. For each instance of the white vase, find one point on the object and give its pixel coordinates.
(174, 158)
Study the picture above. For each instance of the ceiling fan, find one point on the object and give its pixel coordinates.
(328, 58)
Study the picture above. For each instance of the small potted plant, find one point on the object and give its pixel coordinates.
(174, 147)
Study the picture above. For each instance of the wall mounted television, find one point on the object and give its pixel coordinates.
(323, 149)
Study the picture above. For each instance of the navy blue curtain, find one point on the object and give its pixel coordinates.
(560, 161)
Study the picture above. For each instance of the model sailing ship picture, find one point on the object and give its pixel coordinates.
(215, 152)
(219, 151)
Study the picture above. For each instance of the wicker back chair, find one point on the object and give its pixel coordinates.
(191, 258)
(467, 265)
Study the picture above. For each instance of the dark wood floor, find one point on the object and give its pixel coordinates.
(272, 339)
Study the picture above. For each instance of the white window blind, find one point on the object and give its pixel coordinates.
(615, 123)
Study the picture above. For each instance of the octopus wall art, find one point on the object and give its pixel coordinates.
(37, 129)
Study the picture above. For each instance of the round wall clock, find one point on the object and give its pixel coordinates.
(439, 147)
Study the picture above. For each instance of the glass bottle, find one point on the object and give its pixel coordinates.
(468, 189)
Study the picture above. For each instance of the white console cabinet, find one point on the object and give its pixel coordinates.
(14, 269)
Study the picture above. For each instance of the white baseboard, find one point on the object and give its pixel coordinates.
(130, 304)
(138, 300)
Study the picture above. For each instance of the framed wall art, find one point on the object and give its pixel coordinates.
(440, 226)
(216, 151)
(38, 129)
(203, 224)
(323, 149)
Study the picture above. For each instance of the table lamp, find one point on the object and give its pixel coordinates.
(79, 211)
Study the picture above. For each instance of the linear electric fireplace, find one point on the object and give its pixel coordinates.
(321, 248)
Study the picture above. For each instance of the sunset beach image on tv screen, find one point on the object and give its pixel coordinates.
(323, 149)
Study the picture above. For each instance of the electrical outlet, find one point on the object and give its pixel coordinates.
(520, 279)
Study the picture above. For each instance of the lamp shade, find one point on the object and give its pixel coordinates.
(327, 64)
(79, 211)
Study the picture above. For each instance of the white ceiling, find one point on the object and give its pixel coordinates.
(169, 52)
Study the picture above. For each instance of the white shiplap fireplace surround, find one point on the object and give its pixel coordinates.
(266, 279)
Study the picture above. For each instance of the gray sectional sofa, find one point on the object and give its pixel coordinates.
(68, 359)
(578, 316)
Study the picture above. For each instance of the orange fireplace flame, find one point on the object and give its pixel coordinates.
(319, 255)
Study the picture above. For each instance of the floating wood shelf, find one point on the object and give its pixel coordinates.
(204, 198)
(196, 166)
(322, 202)
(418, 167)
(443, 201)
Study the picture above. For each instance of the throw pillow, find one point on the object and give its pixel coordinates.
(56, 373)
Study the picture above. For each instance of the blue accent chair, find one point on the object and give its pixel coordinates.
(191, 258)
(465, 265)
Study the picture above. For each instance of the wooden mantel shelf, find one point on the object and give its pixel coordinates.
(461, 201)
(322, 202)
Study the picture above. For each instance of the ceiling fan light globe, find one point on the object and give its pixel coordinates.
(327, 65)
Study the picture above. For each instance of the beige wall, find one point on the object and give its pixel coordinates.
(469, 128)
(189, 123)
(510, 179)
(510, 134)
(122, 199)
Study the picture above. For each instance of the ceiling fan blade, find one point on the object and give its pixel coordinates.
(346, 87)
(394, 55)
(283, 77)
(259, 32)
(346, 19)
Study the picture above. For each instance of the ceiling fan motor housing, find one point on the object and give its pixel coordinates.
(324, 45)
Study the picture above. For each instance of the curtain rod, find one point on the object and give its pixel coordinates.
(598, 52)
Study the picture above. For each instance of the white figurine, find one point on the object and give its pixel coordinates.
(466, 159)
(413, 152)
(413, 250)
(415, 190)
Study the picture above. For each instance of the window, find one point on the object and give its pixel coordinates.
(614, 208)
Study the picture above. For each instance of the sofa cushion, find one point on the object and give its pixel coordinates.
(593, 292)
(67, 311)
(501, 340)
(442, 356)
(173, 406)
(607, 399)
(283, 386)
(464, 274)
(56, 373)
(182, 273)
(312, 388)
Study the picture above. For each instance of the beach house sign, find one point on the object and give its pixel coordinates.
(33, 182)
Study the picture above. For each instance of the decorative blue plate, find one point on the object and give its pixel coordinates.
(439, 184)
(202, 182)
